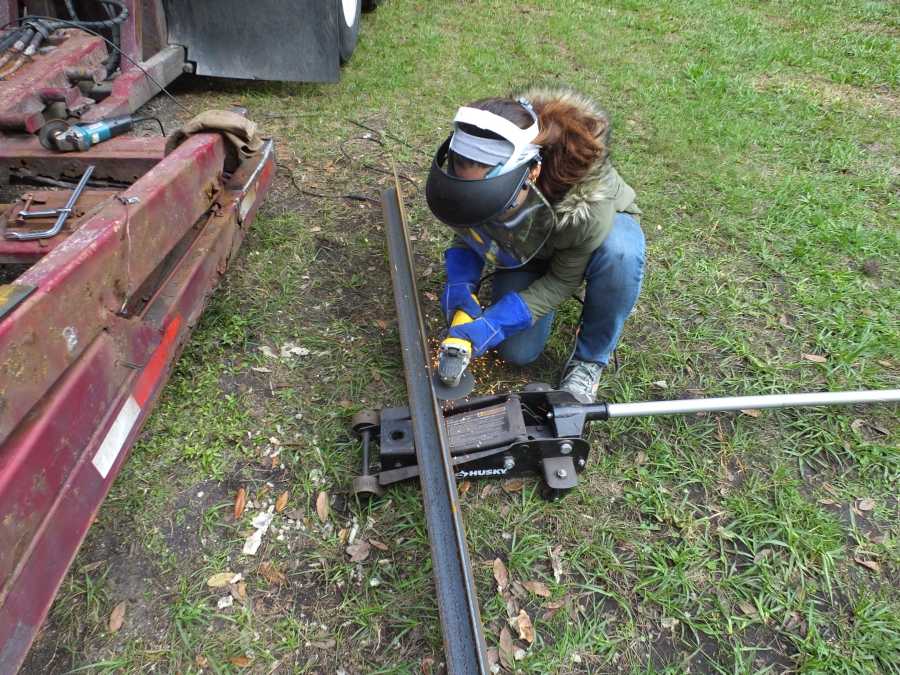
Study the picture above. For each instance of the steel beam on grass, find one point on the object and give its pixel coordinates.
(464, 645)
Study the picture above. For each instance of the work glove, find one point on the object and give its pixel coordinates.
(463, 267)
(506, 317)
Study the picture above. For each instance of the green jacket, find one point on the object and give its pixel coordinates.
(584, 219)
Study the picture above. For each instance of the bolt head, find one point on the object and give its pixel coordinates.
(509, 463)
(561, 473)
(581, 461)
(565, 448)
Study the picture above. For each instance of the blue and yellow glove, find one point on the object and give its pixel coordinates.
(507, 316)
(463, 267)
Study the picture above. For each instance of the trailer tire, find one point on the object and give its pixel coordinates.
(348, 26)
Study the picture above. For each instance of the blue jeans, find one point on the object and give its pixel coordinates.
(613, 276)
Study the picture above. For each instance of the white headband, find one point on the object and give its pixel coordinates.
(515, 149)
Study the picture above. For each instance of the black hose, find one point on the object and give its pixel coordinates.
(111, 63)
(106, 23)
(9, 39)
(70, 8)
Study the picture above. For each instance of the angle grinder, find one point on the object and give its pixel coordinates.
(60, 136)
(453, 380)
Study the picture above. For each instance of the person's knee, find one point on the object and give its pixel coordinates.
(621, 254)
(518, 352)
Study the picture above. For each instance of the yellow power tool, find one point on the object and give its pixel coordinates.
(453, 379)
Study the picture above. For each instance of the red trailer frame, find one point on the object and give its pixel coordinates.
(90, 331)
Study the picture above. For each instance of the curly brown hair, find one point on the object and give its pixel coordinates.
(572, 140)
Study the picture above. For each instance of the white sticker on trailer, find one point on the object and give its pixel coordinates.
(116, 436)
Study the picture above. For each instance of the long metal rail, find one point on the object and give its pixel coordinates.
(464, 645)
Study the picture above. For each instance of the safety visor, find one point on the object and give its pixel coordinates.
(462, 203)
(514, 237)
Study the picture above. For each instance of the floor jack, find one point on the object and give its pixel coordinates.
(537, 431)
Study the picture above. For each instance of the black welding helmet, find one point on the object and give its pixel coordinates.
(502, 216)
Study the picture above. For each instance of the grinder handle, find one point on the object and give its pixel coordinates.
(459, 318)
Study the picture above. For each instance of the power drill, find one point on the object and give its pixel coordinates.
(61, 136)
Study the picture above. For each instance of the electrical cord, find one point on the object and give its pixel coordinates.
(74, 24)
(162, 129)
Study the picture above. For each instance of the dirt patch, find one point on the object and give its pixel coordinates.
(880, 99)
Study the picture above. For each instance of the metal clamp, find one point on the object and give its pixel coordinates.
(61, 214)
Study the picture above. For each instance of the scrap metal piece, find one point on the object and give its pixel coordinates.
(464, 645)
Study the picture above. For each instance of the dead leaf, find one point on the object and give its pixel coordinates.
(430, 296)
(518, 590)
(323, 644)
(381, 323)
(281, 502)
(239, 591)
(117, 617)
(866, 504)
(507, 651)
(556, 563)
(322, 506)
(720, 433)
(753, 412)
(379, 545)
(464, 487)
(201, 661)
(239, 661)
(660, 384)
(343, 536)
(640, 458)
(90, 567)
(868, 564)
(271, 573)
(669, 622)
(501, 575)
(220, 580)
(513, 485)
(880, 429)
(748, 609)
(525, 627)
(815, 358)
(556, 604)
(488, 490)
(359, 551)
(240, 501)
(519, 654)
(493, 658)
(784, 320)
(538, 588)
(427, 665)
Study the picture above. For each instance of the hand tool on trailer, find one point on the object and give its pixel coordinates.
(61, 214)
(453, 379)
(62, 136)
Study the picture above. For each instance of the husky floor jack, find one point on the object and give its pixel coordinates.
(538, 431)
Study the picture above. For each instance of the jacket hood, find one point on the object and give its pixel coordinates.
(575, 207)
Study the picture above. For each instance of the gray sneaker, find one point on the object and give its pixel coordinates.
(581, 379)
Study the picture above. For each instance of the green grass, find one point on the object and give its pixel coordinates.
(762, 139)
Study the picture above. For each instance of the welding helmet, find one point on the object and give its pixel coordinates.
(503, 225)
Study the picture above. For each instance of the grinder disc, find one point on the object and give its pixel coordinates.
(48, 132)
(447, 393)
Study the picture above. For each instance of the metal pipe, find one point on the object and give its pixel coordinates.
(465, 650)
(687, 406)
(48, 213)
(63, 213)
